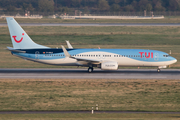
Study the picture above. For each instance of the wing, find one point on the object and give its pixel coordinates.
(88, 60)
(92, 61)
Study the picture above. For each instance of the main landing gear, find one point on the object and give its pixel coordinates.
(90, 69)
(158, 70)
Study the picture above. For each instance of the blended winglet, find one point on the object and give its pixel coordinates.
(69, 45)
(65, 51)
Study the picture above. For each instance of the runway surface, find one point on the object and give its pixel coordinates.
(53, 112)
(83, 74)
(96, 24)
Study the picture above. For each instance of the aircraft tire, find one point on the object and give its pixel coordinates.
(158, 70)
(90, 69)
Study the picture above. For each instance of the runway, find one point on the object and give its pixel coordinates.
(83, 74)
(96, 24)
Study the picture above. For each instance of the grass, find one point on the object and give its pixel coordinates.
(67, 94)
(100, 35)
(102, 116)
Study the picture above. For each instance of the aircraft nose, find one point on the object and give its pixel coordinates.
(174, 60)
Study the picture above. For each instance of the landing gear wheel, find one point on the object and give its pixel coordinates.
(158, 70)
(90, 69)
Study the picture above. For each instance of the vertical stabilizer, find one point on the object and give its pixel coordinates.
(19, 37)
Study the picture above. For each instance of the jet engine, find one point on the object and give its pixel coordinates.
(110, 65)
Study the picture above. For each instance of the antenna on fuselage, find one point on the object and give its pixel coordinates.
(170, 52)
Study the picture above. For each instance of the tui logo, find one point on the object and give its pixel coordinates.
(147, 56)
(18, 41)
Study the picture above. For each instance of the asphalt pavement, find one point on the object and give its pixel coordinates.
(96, 74)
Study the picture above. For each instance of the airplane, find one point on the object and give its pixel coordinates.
(105, 59)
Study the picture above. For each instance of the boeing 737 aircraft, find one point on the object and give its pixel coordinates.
(105, 59)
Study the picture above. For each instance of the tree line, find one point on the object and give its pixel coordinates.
(88, 6)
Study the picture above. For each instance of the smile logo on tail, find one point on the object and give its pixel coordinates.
(18, 41)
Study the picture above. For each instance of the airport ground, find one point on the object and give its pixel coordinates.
(82, 73)
(75, 94)
(83, 94)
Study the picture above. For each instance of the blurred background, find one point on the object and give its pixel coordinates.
(59, 8)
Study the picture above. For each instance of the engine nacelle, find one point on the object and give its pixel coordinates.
(109, 65)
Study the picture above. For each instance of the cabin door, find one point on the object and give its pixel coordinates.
(156, 56)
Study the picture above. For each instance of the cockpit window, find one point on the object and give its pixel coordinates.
(166, 55)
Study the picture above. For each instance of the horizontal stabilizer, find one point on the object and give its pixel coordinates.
(14, 50)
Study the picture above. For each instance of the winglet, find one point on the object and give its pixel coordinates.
(65, 51)
(69, 45)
